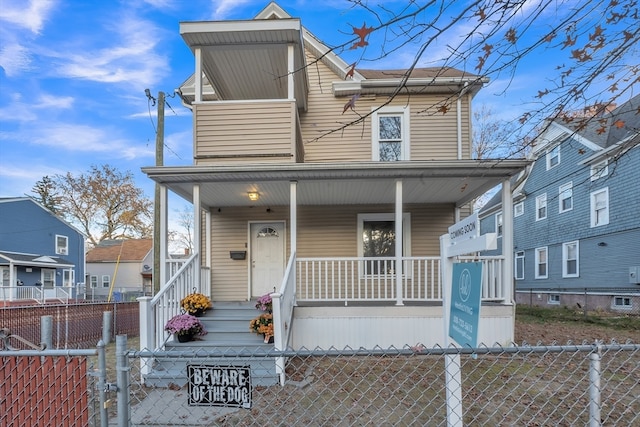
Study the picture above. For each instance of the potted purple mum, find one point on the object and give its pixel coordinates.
(185, 327)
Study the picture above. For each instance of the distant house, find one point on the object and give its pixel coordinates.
(119, 269)
(577, 214)
(41, 255)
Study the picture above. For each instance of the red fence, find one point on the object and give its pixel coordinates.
(74, 325)
(37, 392)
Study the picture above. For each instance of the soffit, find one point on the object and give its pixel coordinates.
(423, 182)
(249, 59)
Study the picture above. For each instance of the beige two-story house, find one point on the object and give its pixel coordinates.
(336, 211)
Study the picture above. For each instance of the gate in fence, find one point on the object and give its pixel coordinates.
(594, 384)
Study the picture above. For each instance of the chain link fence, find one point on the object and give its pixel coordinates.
(587, 384)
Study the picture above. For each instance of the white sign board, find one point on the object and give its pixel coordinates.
(466, 229)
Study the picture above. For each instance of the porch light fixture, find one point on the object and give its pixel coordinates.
(253, 195)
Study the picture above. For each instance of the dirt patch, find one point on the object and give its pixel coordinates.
(562, 333)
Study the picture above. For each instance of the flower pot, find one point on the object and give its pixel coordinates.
(268, 341)
(199, 313)
(185, 337)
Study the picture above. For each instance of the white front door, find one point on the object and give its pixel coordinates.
(267, 257)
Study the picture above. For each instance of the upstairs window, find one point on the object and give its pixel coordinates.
(599, 170)
(62, 245)
(94, 281)
(565, 199)
(541, 207)
(518, 209)
(390, 134)
(106, 281)
(553, 157)
(600, 207)
(499, 224)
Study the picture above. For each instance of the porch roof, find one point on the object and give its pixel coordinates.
(33, 260)
(448, 182)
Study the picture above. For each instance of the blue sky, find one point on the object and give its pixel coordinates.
(73, 76)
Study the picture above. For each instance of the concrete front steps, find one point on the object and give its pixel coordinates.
(228, 333)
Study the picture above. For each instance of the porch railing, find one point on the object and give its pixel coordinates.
(283, 302)
(35, 293)
(156, 311)
(359, 279)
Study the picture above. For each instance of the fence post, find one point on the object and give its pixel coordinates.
(147, 333)
(122, 373)
(106, 326)
(102, 383)
(46, 331)
(594, 389)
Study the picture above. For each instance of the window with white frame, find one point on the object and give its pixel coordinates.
(541, 263)
(499, 224)
(570, 253)
(541, 207)
(68, 277)
(62, 245)
(565, 199)
(518, 209)
(48, 276)
(553, 299)
(600, 207)
(94, 281)
(390, 134)
(553, 157)
(599, 170)
(106, 281)
(377, 240)
(621, 302)
(519, 265)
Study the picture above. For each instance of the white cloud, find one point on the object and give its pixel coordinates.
(223, 8)
(29, 15)
(132, 58)
(14, 58)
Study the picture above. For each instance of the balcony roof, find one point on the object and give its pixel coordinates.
(451, 182)
(248, 59)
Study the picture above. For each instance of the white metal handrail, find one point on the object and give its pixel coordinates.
(166, 303)
(283, 303)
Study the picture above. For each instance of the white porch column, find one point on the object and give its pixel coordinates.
(207, 234)
(197, 231)
(507, 241)
(198, 74)
(293, 215)
(164, 226)
(399, 242)
(290, 71)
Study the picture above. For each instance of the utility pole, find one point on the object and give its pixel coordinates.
(157, 258)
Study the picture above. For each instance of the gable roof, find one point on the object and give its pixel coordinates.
(229, 74)
(133, 250)
(41, 206)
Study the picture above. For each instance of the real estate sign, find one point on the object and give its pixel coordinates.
(465, 303)
(214, 385)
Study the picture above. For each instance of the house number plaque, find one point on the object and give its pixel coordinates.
(215, 385)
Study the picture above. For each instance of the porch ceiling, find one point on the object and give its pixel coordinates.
(248, 59)
(455, 182)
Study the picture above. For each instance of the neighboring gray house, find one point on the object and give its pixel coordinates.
(577, 214)
(119, 270)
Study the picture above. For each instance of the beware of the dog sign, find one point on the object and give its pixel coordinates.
(214, 385)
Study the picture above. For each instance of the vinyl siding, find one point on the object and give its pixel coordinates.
(323, 231)
(245, 132)
(433, 136)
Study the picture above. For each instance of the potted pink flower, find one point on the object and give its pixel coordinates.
(184, 327)
(265, 303)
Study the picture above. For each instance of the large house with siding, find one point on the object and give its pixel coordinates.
(341, 225)
(577, 214)
(42, 257)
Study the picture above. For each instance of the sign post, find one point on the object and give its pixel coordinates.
(463, 238)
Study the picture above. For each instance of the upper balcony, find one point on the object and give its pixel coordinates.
(258, 131)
